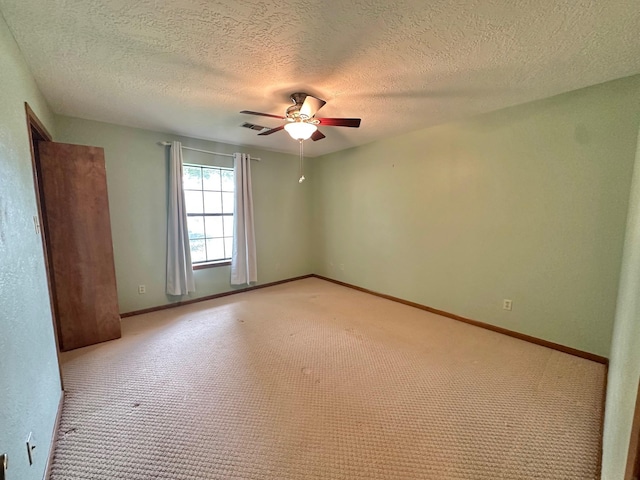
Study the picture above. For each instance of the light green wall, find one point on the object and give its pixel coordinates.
(527, 203)
(29, 377)
(624, 368)
(137, 181)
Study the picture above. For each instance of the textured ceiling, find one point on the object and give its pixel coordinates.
(189, 66)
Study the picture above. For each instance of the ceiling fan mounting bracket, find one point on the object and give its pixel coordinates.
(298, 98)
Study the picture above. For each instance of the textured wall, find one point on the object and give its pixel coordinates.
(137, 181)
(528, 203)
(29, 378)
(624, 369)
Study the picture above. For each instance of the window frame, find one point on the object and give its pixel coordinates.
(208, 263)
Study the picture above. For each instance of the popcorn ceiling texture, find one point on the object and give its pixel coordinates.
(189, 66)
(310, 380)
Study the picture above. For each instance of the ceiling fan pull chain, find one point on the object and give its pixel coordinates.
(301, 162)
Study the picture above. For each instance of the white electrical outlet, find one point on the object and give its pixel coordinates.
(142, 289)
(507, 304)
(342, 267)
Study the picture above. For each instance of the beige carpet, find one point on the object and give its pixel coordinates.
(310, 380)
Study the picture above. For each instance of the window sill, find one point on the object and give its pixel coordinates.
(201, 266)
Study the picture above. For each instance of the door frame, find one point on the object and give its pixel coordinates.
(39, 133)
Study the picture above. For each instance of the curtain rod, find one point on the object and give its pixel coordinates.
(168, 144)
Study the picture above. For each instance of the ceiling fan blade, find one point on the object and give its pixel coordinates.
(317, 135)
(273, 130)
(340, 122)
(249, 112)
(311, 105)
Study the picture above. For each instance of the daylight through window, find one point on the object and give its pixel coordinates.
(208, 193)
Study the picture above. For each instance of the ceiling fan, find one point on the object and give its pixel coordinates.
(301, 123)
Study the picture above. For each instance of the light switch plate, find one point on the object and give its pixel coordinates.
(31, 446)
(4, 464)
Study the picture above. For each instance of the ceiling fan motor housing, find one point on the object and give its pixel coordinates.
(293, 112)
(303, 111)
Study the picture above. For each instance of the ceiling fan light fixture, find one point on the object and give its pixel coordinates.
(300, 130)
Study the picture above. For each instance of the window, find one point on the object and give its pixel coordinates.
(208, 193)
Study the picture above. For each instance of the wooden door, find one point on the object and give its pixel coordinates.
(76, 217)
(633, 457)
